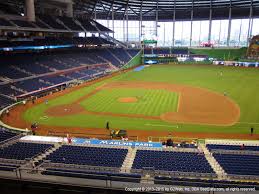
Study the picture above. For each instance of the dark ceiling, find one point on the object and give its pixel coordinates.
(163, 8)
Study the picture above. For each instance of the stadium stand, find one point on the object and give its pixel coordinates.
(4, 101)
(22, 150)
(212, 147)
(238, 164)
(4, 22)
(51, 21)
(5, 134)
(80, 155)
(70, 23)
(172, 161)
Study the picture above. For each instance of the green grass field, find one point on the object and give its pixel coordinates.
(149, 102)
(241, 85)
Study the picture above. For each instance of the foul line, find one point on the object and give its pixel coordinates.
(154, 125)
(248, 123)
(179, 100)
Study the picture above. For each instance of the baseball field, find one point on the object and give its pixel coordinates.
(185, 100)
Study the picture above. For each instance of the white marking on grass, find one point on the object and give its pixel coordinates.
(248, 123)
(44, 118)
(155, 125)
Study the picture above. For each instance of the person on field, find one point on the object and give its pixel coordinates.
(252, 131)
(107, 125)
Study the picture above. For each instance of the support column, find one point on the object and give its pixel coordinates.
(127, 22)
(210, 25)
(30, 10)
(240, 31)
(174, 25)
(250, 25)
(190, 44)
(229, 23)
(113, 22)
(69, 10)
(140, 24)
(156, 21)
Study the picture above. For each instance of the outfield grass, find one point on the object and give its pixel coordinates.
(241, 85)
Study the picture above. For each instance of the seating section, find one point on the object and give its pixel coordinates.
(55, 41)
(172, 161)
(231, 147)
(24, 65)
(5, 135)
(32, 85)
(4, 22)
(93, 175)
(70, 23)
(237, 164)
(87, 25)
(4, 101)
(51, 21)
(7, 90)
(92, 156)
(187, 182)
(121, 54)
(133, 52)
(22, 150)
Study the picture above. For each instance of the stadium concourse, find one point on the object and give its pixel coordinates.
(121, 96)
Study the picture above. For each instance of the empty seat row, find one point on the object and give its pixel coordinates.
(5, 134)
(232, 147)
(172, 161)
(23, 150)
(237, 164)
(108, 157)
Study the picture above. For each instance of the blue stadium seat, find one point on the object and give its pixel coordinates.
(22, 150)
(237, 164)
(172, 161)
(110, 157)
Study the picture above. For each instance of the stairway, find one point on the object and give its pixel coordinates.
(18, 89)
(129, 159)
(213, 162)
(113, 67)
(37, 161)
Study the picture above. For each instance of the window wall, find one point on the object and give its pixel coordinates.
(182, 35)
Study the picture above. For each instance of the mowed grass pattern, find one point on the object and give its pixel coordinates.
(241, 85)
(149, 102)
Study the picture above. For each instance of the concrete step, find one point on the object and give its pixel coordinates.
(213, 162)
(129, 159)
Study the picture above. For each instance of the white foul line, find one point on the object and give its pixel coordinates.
(154, 125)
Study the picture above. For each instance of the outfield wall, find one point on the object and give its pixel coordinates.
(135, 61)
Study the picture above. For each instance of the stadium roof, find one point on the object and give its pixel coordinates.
(165, 8)
(149, 8)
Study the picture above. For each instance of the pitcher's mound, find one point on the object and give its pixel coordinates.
(128, 99)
